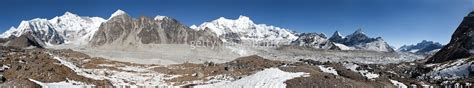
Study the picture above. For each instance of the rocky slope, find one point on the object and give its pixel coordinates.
(243, 29)
(423, 48)
(26, 40)
(461, 44)
(122, 30)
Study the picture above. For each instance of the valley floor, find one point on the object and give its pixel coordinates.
(78, 67)
(166, 54)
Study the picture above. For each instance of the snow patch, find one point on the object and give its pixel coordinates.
(365, 73)
(328, 69)
(398, 84)
(268, 78)
(63, 84)
(343, 47)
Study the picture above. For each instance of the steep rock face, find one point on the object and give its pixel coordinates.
(424, 47)
(314, 40)
(359, 41)
(243, 29)
(461, 44)
(121, 29)
(25, 40)
(358, 37)
(336, 37)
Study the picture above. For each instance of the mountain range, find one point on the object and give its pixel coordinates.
(424, 47)
(68, 28)
(120, 29)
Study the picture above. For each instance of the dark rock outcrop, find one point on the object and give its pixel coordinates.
(25, 40)
(337, 37)
(461, 44)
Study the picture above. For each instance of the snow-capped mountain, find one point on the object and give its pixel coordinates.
(314, 40)
(76, 29)
(39, 28)
(68, 28)
(424, 47)
(359, 41)
(337, 37)
(244, 29)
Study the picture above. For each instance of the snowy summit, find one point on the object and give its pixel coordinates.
(117, 13)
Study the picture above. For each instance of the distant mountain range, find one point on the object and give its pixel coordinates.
(424, 47)
(355, 41)
(243, 29)
(121, 29)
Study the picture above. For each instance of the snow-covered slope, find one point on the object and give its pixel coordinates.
(244, 29)
(76, 29)
(117, 13)
(68, 28)
(456, 69)
(39, 28)
(268, 78)
(424, 47)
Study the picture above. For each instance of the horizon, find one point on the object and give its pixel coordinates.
(432, 20)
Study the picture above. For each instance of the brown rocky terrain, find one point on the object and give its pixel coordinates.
(25, 64)
(38, 64)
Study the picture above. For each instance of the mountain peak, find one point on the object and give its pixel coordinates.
(358, 31)
(193, 27)
(243, 18)
(426, 41)
(337, 33)
(117, 13)
(471, 14)
(336, 37)
(12, 27)
(159, 17)
(69, 14)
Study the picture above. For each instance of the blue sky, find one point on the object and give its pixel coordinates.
(397, 21)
